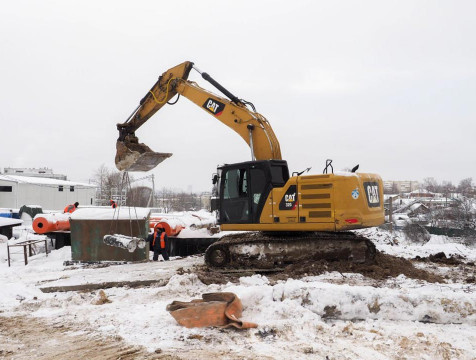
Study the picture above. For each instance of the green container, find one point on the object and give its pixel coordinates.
(87, 239)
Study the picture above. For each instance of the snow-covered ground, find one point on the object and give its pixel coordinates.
(330, 316)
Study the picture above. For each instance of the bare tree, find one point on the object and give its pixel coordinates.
(447, 187)
(465, 186)
(431, 184)
(139, 196)
(111, 186)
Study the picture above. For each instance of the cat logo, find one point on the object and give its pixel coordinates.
(214, 106)
(372, 192)
(289, 201)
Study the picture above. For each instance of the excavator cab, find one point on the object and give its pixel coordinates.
(244, 187)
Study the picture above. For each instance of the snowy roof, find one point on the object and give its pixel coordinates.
(42, 181)
(9, 222)
(120, 213)
(421, 191)
(417, 205)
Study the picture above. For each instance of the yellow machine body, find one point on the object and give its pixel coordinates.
(327, 202)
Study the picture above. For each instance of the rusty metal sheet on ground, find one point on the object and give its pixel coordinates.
(214, 309)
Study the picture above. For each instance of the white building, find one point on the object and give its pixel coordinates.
(42, 172)
(395, 187)
(50, 194)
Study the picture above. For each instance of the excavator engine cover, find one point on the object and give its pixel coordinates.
(137, 157)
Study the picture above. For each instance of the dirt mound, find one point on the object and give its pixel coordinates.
(441, 258)
(384, 266)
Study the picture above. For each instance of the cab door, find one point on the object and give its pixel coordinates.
(235, 206)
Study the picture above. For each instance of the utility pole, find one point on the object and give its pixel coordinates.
(390, 210)
(153, 191)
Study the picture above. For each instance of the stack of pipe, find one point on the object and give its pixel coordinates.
(45, 223)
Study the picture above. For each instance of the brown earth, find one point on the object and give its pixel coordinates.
(441, 258)
(384, 266)
(456, 268)
(25, 338)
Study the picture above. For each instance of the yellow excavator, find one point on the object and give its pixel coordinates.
(285, 217)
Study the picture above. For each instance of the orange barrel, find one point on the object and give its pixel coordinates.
(172, 226)
(45, 223)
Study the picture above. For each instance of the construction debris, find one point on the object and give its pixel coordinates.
(214, 309)
(100, 298)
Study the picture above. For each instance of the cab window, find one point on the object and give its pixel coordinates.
(236, 184)
(279, 175)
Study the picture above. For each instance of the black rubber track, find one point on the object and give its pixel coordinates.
(340, 241)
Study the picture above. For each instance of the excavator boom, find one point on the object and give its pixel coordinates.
(233, 112)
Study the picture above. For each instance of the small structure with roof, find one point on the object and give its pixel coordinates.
(6, 226)
(50, 194)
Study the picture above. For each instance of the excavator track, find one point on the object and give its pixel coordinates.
(260, 250)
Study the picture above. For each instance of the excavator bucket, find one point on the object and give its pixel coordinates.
(137, 157)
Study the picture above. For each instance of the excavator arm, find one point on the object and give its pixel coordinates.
(253, 127)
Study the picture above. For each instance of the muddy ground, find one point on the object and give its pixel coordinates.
(383, 267)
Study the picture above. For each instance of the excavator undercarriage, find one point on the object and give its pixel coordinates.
(272, 250)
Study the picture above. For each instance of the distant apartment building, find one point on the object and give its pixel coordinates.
(31, 172)
(398, 187)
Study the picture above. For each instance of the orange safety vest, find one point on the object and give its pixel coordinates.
(162, 239)
(69, 208)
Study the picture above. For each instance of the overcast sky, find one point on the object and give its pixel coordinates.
(389, 85)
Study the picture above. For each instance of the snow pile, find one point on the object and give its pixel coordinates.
(53, 217)
(411, 301)
(9, 221)
(395, 243)
(119, 213)
(293, 315)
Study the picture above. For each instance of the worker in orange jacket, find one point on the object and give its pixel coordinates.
(71, 208)
(158, 243)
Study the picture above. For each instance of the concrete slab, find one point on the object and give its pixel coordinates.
(132, 275)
